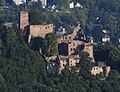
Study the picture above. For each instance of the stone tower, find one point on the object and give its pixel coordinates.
(23, 20)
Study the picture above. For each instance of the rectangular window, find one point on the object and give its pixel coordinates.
(65, 37)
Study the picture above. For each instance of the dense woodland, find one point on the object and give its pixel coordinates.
(23, 69)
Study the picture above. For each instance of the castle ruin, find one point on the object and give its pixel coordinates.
(69, 47)
(33, 30)
(23, 20)
(75, 42)
(39, 31)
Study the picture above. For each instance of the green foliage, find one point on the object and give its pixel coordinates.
(20, 67)
(85, 65)
(60, 3)
(2, 2)
(108, 53)
(50, 45)
(39, 5)
(24, 70)
(34, 17)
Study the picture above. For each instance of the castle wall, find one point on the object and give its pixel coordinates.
(66, 38)
(89, 49)
(74, 47)
(77, 42)
(39, 31)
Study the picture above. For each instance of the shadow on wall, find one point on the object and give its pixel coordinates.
(37, 43)
(26, 33)
(79, 48)
(62, 48)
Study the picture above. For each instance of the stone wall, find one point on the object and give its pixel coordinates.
(77, 42)
(39, 31)
(74, 47)
(89, 49)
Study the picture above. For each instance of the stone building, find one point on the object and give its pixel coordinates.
(71, 44)
(75, 42)
(23, 20)
(96, 70)
(100, 70)
(71, 61)
(33, 30)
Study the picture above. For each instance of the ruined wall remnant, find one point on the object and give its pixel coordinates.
(39, 31)
(76, 42)
(74, 47)
(89, 49)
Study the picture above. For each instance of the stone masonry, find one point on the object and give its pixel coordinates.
(23, 20)
(71, 44)
(76, 42)
(39, 31)
(33, 30)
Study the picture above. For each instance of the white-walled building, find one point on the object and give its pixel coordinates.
(106, 38)
(18, 2)
(71, 5)
(78, 5)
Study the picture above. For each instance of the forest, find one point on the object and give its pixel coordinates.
(23, 69)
